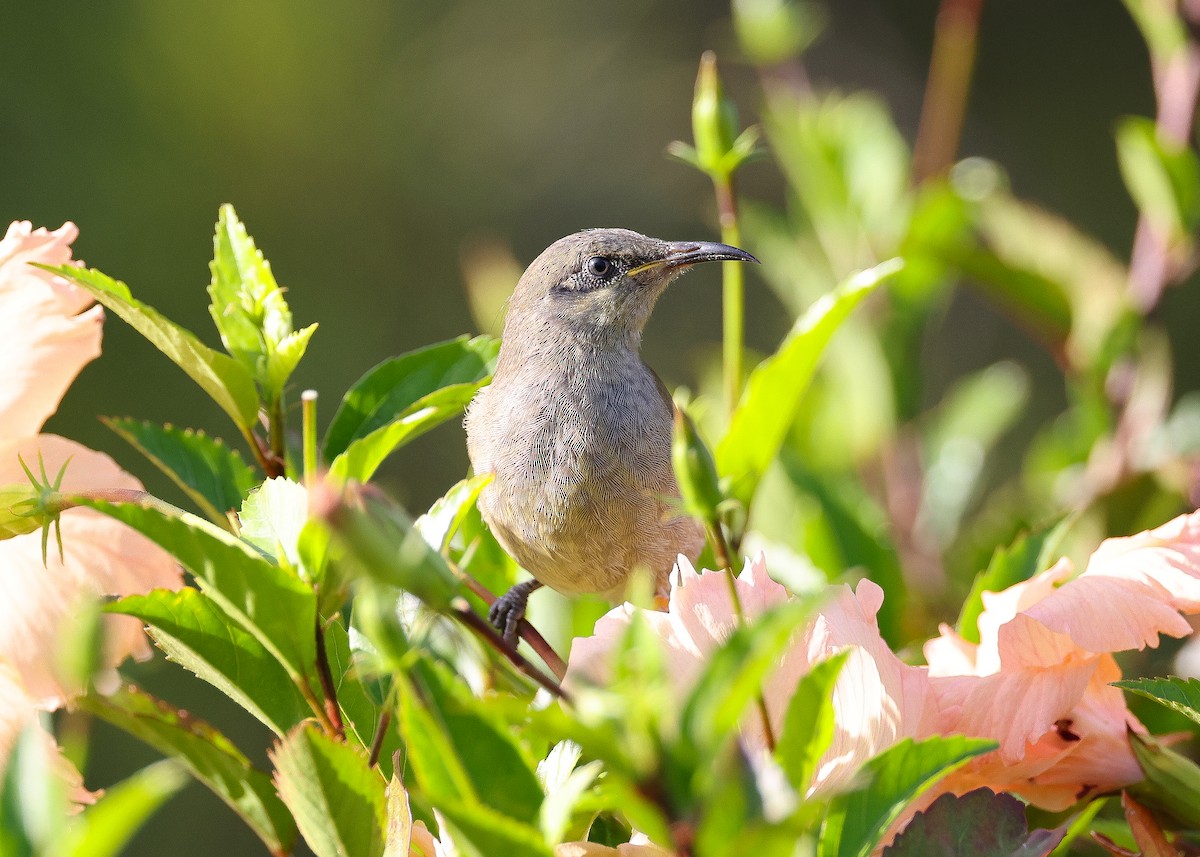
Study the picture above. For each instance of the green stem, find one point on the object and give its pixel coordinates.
(723, 556)
(276, 430)
(732, 293)
(308, 423)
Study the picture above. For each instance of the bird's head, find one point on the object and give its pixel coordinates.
(603, 283)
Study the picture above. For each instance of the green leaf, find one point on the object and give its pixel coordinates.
(392, 389)
(207, 753)
(808, 724)
(196, 634)
(105, 827)
(272, 518)
(481, 745)
(273, 604)
(337, 800)
(210, 473)
(359, 461)
(1181, 695)
(856, 820)
(769, 403)
(224, 379)
(249, 310)
(361, 712)
(980, 823)
(491, 832)
(1020, 561)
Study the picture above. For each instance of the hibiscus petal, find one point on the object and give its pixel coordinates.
(46, 337)
(100, 557)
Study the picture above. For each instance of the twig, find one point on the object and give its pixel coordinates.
(940, 129)
(333, 711)
(462, 611)
(525, 630)
(385, 720)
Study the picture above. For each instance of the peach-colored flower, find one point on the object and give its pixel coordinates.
(1039, 679)
(878, 700)
(47, 334)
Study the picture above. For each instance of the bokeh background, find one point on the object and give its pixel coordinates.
(372, 148)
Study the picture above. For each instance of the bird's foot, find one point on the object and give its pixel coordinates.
(508, 610)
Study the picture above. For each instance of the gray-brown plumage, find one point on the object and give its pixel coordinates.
(576, 428)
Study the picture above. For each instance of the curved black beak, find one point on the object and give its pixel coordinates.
(678, 254)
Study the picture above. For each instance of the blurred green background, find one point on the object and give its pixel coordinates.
(370, 147)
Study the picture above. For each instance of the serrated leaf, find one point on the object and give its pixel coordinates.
(856, 820)
(196, 634)
(272, 518)
(808, 723)
(105, 827)
(1181, 695)
(769, 403)
(224, 379)
(249, 309)
(214, 476)
(980, 823)
(393, 388)
(359, 461)
(338, 801)
(273, 604)
(208, 754)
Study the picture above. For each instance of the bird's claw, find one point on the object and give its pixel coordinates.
(508, 610)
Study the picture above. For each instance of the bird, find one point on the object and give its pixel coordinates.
(575, 429)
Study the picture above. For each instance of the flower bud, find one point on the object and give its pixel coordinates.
(714, 116)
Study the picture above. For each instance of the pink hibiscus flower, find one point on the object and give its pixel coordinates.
(1038, 682)
(48, 332)
(878, 699)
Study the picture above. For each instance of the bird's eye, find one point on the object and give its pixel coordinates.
(600, 267)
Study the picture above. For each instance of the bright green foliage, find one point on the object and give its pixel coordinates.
(32, 799)
(482, 761)
(397, 389)
(274, 605)
(809, 722)
(980, 823)
(249, 310)
(1181, 695)
(762, 418)
(213, 476)
(337, 800)
(105, 827)
(359, 461)
(198, 635)
(858, 819)
(205, 752)
(225, 380)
